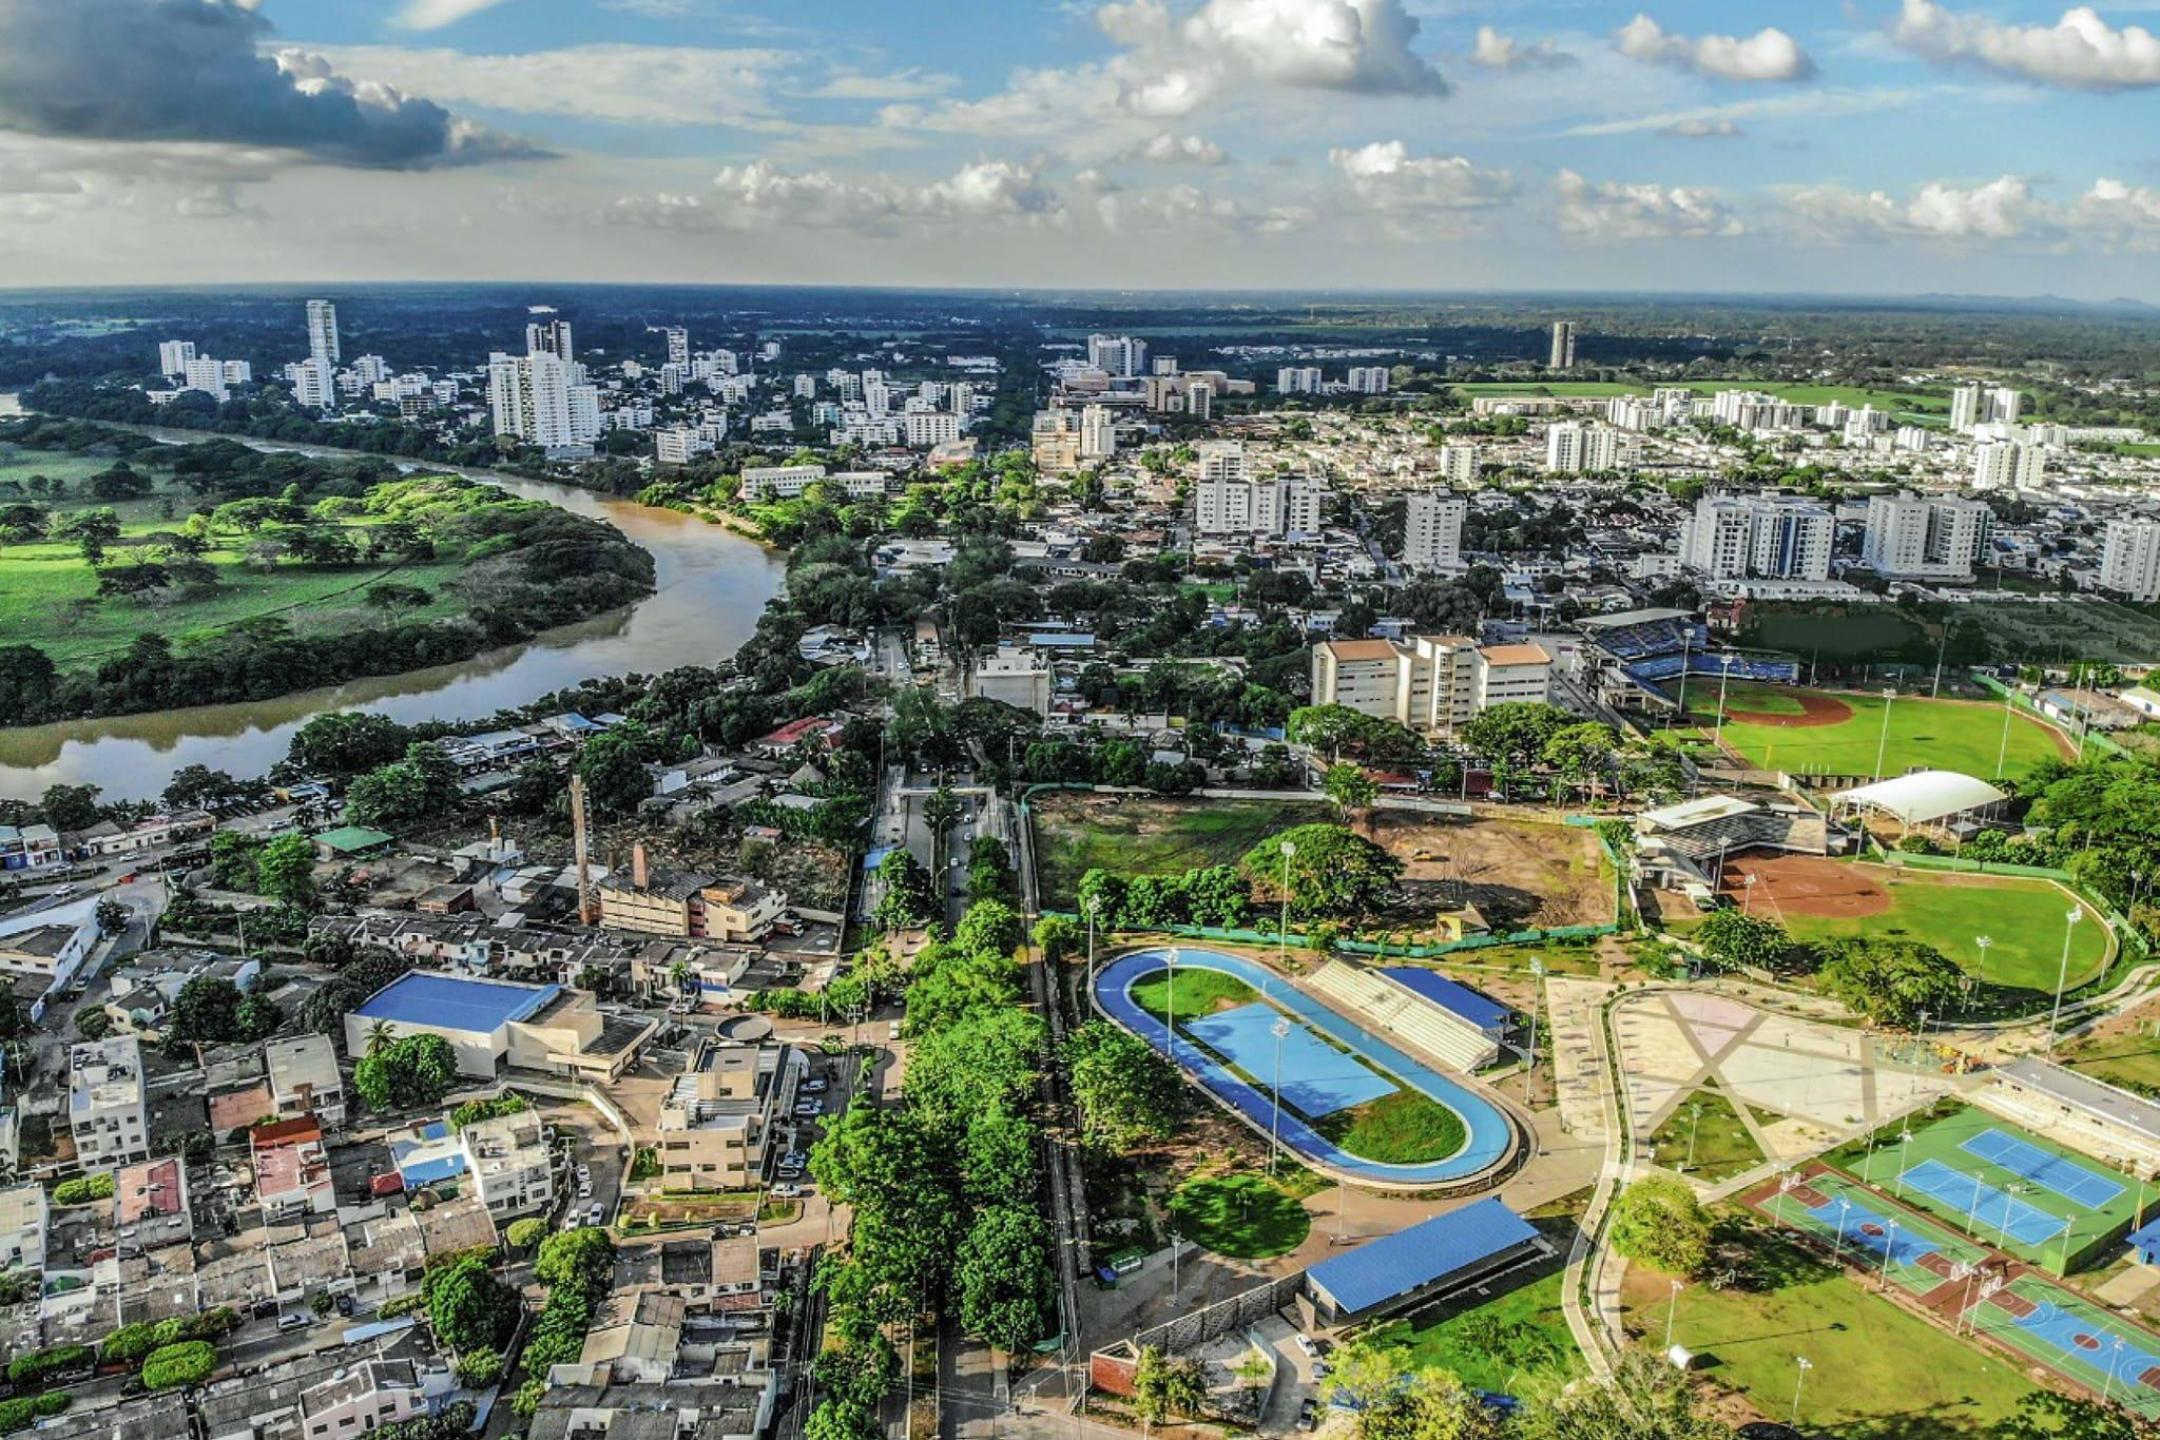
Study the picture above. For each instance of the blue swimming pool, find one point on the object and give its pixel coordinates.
(1489, 1132)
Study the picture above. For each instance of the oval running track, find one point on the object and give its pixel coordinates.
(1490, 1133)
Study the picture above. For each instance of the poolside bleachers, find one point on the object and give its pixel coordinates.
(1404, 1015)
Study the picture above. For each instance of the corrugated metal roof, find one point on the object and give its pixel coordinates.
(1452, 996)
(1409, 1259)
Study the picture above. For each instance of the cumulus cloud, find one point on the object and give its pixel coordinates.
(1419, 193)
(191, 70)
(2080, 51)
(437, 14)
(1169, 149)
(1495, 51)
(1187, 208)
(1601, 211)
(1701, 128)
(1768, 54)
(760, 195)
(2121, 213)
(2001, 209)
(1169, 65)
(625, 84)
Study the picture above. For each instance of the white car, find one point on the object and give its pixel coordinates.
(595, 1214)
(1304, 1343)
(786, 1192)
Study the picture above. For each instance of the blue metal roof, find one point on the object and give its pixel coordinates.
(2146, 1237)
(1452, 995)
(455, 1002)
(1398, 1264)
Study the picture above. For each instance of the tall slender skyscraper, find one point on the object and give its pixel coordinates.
(322, 337)
(551, 338)
(1563, 346)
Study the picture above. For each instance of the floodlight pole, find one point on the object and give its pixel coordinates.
(1279, 1029)
(1672, 1310)
(1802, 1362)
(1889, 1247)
(1882, 744)
(2062, 974)
(1282, 929)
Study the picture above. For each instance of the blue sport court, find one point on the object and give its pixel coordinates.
(1988, 1206)
(1316, 1077)
(1868, 1228)
(2090, 1341)
(2065, 1177)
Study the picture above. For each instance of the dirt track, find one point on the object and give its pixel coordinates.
(1804, 885)
(1816, 711)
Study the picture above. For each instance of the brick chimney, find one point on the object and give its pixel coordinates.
(637, 865)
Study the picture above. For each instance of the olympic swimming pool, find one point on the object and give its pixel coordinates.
(1490, 1135)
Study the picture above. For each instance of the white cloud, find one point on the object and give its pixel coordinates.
(909, 84)
(1701, 128)
(1170, 65)
(760, 195)
(2080, 50)
(627, 84)
(2001, 209)
(1419, 193)
(2121, 213)
(1768, 54)
(650, 9)
(1169, 149)
(1603, 211)
(1495, 51)
(437, 14)
(1188, 208)
(1809, 104)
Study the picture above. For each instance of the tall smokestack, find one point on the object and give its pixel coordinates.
(584, 867)
(637, 865)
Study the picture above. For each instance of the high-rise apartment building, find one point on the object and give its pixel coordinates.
(1459, 464)
(1573, 448)
(529, 398)
(1432, 531)
(1276, 506)
(206, 375)
(2009, 464)
(173, 356)
(2130, 558)
(314, 383)
(322, 332)
(1433, 684)
(678, 345)
(1563, 346)
(1368, 379)
(1298, 380)
(551, 337)
(1925, 537)
(1122, 355)
(1763, 537)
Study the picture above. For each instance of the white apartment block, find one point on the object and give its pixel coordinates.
(322, 332)
(1122, 355)
(529, 399)
(1925, 537)
(1433, 684)
(1368, 379)
(1098, 433)
(1573, 448)
(1459, 465)
(206, 375)
(239, 372)
(173, 356)
(2009, 465)
(550, 337)
(314, 384)
(1432, 532)
(508, 1159)
(678, 345)
(25, 1214)
(107, 1109)
(1767, 537)
(2130, 558)
(779, 482)
(1283, 505)
(1975, 405)
(679, 445)
(1562, 354)
(931, 429)
(1298, 380)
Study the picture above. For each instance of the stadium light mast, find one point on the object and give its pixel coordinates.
(1282, 928)
(1805, 1365)
(1882, 744)
(1279, 1030)
(1889, 1248)
(2062, 974)
(2002, 751)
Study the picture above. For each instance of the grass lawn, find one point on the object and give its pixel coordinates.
(1716, 1137)
(1489, 1346)
(1198, 992)
(1138, 836)
(2022, 917)
(1405, 1128)
(1246, 1216)
(1879, 1372)
(1961, 735)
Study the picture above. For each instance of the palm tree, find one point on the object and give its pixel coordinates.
(380, 1037)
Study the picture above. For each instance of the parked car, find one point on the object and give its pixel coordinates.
(1304, 1343)
(786, 1191)
(1307, 1414)
(815, 1085)
(595, 1214)
(294, 1320)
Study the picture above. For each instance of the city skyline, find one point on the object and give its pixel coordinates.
(1886, 148)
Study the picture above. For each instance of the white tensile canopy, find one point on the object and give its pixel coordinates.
(1923, 797)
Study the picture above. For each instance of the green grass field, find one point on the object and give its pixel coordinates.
(2127, 1056)
(1197, 992)
(1405, 1128)
(1961, 735)
(1138, 836)
(1492, 1346)
(2022, 917)
(1879, 1373)
(2091, 1229)
(49, 593)
(1246, 1216)
(1717, 1140)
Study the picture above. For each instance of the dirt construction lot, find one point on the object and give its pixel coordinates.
(1518, 874)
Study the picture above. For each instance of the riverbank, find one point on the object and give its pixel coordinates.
(711, 586)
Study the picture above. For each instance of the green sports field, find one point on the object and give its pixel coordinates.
(1962, 735)
(2092, 1228)
(1135, 835)
(1902, 1257)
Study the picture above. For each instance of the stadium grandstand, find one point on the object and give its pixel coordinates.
(1421, 1009)
(1636, 655)
(1683, 847)
(2106, 1122)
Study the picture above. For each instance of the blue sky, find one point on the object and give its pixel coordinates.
(1875, 146)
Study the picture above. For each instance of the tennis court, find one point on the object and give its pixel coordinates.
(1983, 1206)
(2065, 1177)
(1316, 1077)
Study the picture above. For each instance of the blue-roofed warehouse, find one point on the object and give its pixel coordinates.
(489, 1022)
(1414, 1266)
(1482, 1012)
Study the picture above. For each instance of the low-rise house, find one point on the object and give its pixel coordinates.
(292, 1169)
(508, 1159)
(152, 1204)
(651, 1412)
(312, 1398)
(304, 1079)
(153, 832)
(24, 1215)
(107, 1113)
(29, 847)
(716, 1120)
(635, 1337)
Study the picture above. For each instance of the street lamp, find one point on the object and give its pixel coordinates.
(2062, 975)
(1282, 929)
(1170, 1009)
(1694, 1119)
(1279, 1029)
(1747, 893)
(1672, 1310)
(2107, 1391)
(1805, 1366)
(1982, 942)
(1093, 906)
(1904, 1155)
